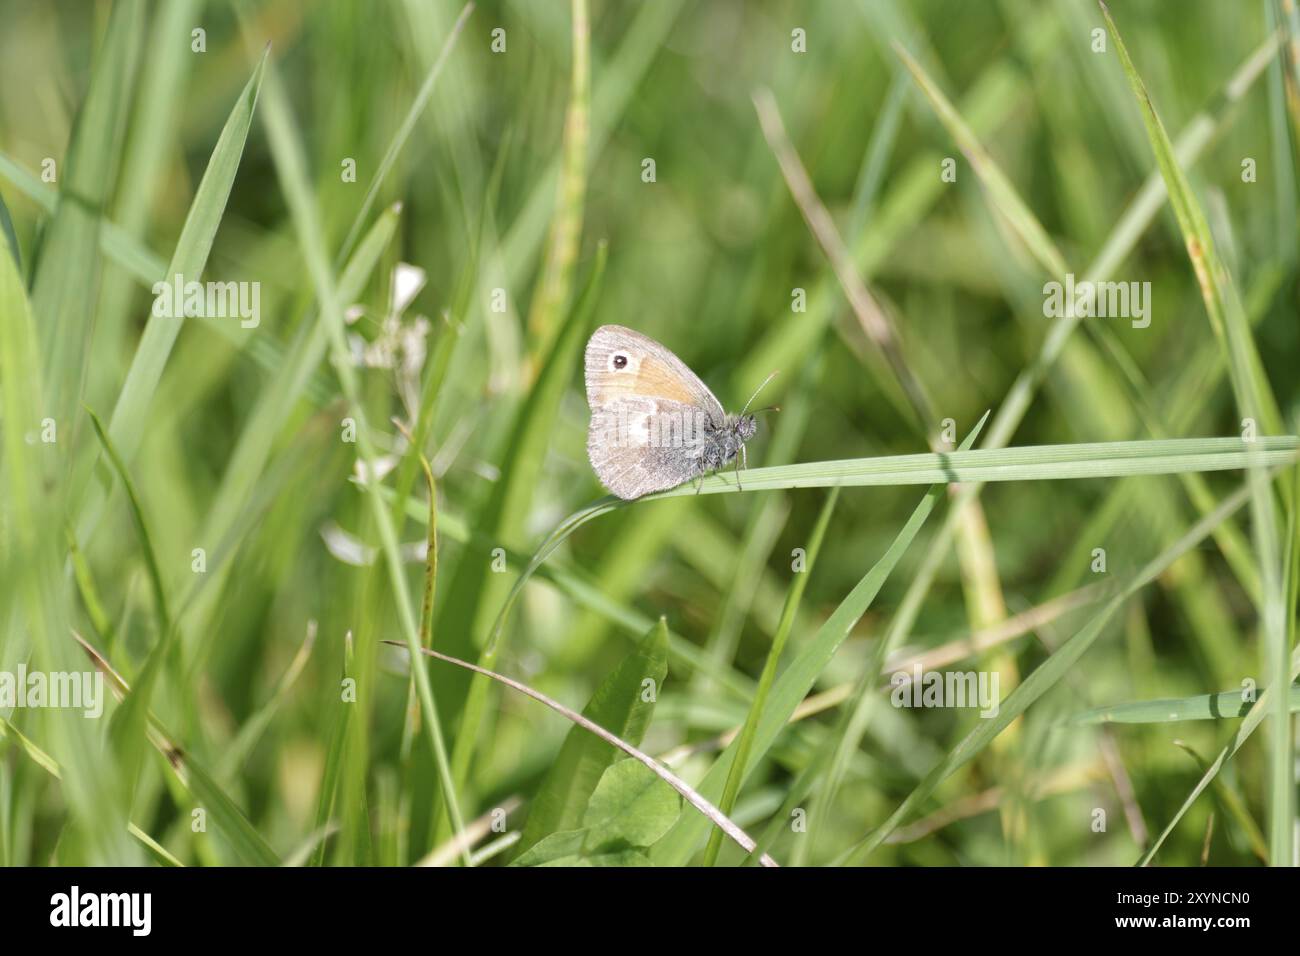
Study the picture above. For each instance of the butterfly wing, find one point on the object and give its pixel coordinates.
(639, 391)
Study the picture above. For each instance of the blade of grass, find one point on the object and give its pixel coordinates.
(130, 414)
(566, 226)
(68, 269)
(678, 845)
(1229, 704)
(1038, 682)
(1256, 402)
(403, 134)
(692, 796)
(619, 705)
(141, 526)
(291, 167)
(736, 773)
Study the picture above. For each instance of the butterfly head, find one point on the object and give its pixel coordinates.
(745, 426)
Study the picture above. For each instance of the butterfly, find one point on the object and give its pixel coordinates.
(654, 424)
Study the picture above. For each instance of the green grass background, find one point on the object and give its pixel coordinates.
(522, 171)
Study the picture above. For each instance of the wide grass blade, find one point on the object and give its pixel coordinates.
(1029, 463)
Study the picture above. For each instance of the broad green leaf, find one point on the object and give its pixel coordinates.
(618, 705)
(631, 805)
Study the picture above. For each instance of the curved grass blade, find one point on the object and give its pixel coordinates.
(1233, 803)
(618, 705)
(128, 728)
(693, 797)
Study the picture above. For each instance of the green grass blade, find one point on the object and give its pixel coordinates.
(745, 743)
(1256, 403)
(130, 414)
(1043, 678)
(566, 227)
(67, 273)
(1029, 463)
(676, 848)
(141, 526)
(1229, 704)
(1003, 197)
(403, 132)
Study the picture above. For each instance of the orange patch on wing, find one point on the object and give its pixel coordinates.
(656, 380)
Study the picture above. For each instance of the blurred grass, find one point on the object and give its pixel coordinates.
(513, 180)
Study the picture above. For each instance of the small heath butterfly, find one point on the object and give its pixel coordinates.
(654, 424)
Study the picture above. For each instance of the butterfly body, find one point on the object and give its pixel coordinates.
(654, 423)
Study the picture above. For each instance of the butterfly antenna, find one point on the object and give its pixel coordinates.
(756, 391)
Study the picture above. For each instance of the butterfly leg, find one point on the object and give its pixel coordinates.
(738, 488)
